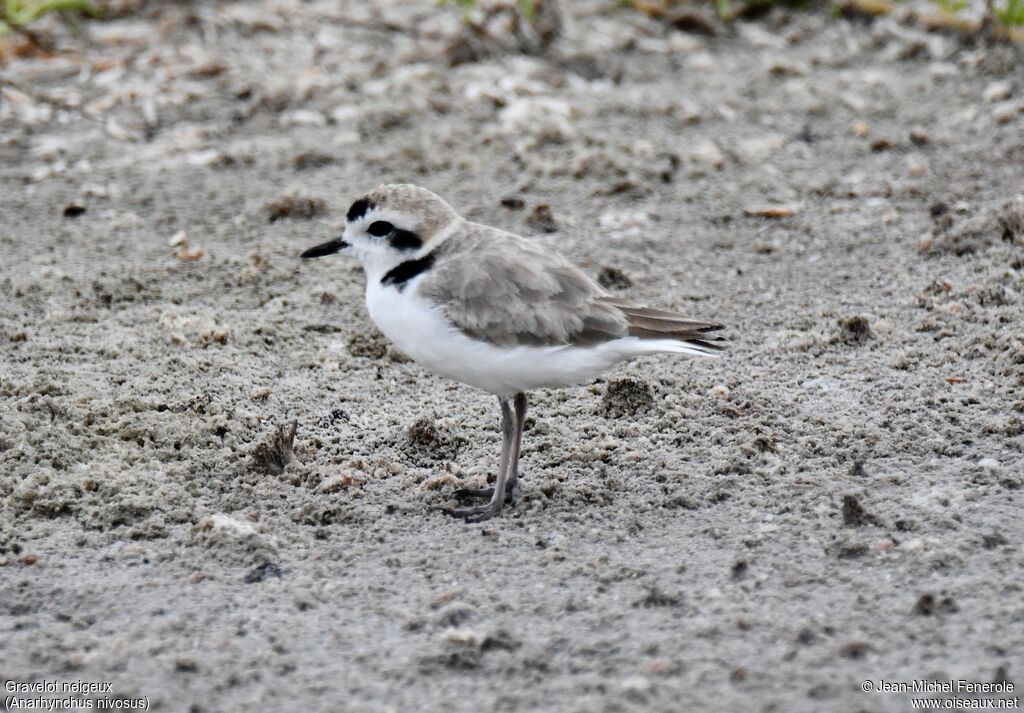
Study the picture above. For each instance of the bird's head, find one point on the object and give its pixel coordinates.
(390, 225)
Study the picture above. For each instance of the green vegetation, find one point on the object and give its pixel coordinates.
(1009, 16)
(18, 13)
(1003, 17)
(951, 7)
(1012, 15)
(526, 7)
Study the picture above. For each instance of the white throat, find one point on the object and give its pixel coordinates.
(377, 260)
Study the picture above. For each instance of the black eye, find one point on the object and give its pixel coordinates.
(380, 228)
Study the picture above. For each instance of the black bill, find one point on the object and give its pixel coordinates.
(329, 248)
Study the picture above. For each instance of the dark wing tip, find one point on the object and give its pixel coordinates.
(717, 345)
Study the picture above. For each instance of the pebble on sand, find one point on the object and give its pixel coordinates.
(338, 482)
(997, 91)
(613, 278)
(182, 250)
(189, 253)
(542, 220)
(707, 153)
(74, 209)
(301, 207)
(303, 117)
(1007, 111)
(918, 136)
(221, 522)
(781, 210)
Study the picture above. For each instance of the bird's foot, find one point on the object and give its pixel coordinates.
(511, 493)
(478, 513)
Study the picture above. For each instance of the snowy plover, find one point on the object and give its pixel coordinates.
(495, 311)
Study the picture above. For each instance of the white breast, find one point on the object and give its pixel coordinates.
(422, 331)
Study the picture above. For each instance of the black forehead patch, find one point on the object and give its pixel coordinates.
(405, 240)
(359, 209)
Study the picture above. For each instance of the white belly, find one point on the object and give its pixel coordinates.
(421, 330)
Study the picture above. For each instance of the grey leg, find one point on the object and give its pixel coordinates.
(519, 402)
(486, 512)
(512, 485)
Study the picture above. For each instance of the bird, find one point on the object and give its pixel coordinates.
(497, 311)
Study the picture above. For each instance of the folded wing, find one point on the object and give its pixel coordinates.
(505, 290)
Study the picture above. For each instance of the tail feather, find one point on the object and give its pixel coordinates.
(646, 323)
(629, 347)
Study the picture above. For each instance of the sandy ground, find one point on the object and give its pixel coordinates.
(836, 500)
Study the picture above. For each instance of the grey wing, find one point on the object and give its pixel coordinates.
(505, 290)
